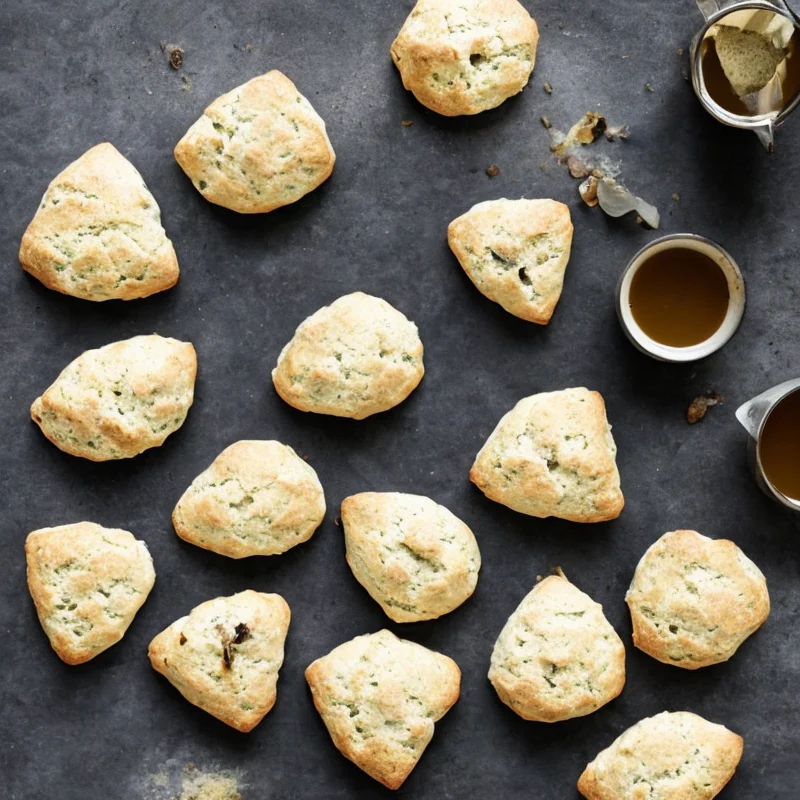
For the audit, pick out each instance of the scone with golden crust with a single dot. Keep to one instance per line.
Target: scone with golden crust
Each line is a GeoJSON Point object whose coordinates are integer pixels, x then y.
{"type": "Point", "coordinates": [465, 57]}
{"type": "Point", "coordinates": [553, 455]}
{"type": "Point", "coordinates": [557, 656]}
{"type": "Point", "coordinates": [671, 756]}
{"type": "Point", "coordinates": [224, 657]}
{"type": "Point", "coordinates": [97, 234]}
{"type": "Point", "coordinates": [379, 697]}
{"type": "Point", "coordinates": [354, 358]}
{"type": "Point", "coordinates": [258, 147]}
{"type": "Point", "coordinates": [416, 559]}
{"type": "Point", "coordinates": [87, 583]}
{"type": "Point", "coordinates": [694, 600]}
{"type": "Point", "coordinates": [119, 400]}
{"type": "Point", "coordinates": [516, 253]}
{"type": "Point", "coordinates": [258, 498]}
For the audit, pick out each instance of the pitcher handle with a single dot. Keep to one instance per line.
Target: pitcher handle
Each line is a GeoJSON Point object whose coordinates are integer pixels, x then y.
{"type": "Point", "coordinates": [751, 414]}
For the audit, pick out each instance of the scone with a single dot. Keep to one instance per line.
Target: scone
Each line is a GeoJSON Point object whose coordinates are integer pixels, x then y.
{"type": "Point", "coordinates": [119, 400]}
{"type": "Point", "coordinates": [414, 557]}
{"type": "Point", "coordinates": [516, 253]}
{"type": "Point", "coordinates": [87, 583]}
{"type": "Point", "coordinates": [694, 600]}
{"type": "Point", "coordinates": [258, 498]}
{"type": "Point", "coordinates": [466, 57]}
{"type": "Point", "coordinates": [557, 656]}
{"type": "Point", "coordinates": [379, 697]}
{"type": "Point", "coordinates": [224, 657]}
{"type": "Point", "coordinates": [97, 234]}
{"type": "Point", "coordinates": [553, 455]}
{"type": "Point", "coordinates": [671, 756]}
{"type": "Point", "coordinates": [354, 358]}
{"type": "Point", "coordinates": [258, 147]}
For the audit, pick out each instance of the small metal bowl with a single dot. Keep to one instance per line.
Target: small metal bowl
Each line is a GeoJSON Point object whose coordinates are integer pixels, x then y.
{"type": "Point", "coordinates": [729, 324]}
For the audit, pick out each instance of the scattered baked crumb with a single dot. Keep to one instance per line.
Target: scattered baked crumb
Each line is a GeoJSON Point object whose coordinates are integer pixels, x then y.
{"type": "Point", "coordinates": [676, 197]}
{"type": "Point", "coordinates": [542, 166]}
{"type": "Point", "coordinates": [700, 405]}
{"type": "Point", "coordinates": [336, 522]}
{"type": "Point", "coordinates": [175, 56]}
{"type": "Point", "coordinates": [648, 87]}
{"type": "Point", "coordinates": [679, 51]}
{"type": "Point", "coordinates": [186, 82]}
{"type": "Point", "coordinates": [618, 132]}
{"type": "Point", "coordinates": [407, 123]}
{"type": "Point", "coordinates": [546, 121]}
{"type": "Point", "coordinates": [493, 170]}
{"type": "Point", "coordinates": [588, 191]}
{"type": "Point", "coordinates": [249, 48]}
{"type": "Point", "coordinates": [576, 167]}
{"type": "Point", "coordinates": [547, 88]}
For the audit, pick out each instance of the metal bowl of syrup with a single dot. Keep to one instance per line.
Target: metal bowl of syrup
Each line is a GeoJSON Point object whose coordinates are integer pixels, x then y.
{"type": "Point", "coordinates": [680, 298]}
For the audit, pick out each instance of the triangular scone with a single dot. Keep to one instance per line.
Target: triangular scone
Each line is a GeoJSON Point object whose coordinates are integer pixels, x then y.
{"type": "Point", "coordinates": [516, 253]}
{"type": "Point", "coordinates": [97, 234]}
{"type": "Point", "coordinates": [119, 400]}
{"type": "Point", "coordinates": [87, 583]}
{"type": "Point", "coordinates": [674, 756]}
{"type": "Point", "coordinates": [557, 656]}
{"type": "Point", "coordinates": [258, 498]}
{"type": "Point", "coordinates": [258, 147]}
{"type": "Point", "coordinates": [379, 697]}
{"type": "Point", "coordinates": [553, 455]}
{"type": "Point", "coordinates": [224, 657]}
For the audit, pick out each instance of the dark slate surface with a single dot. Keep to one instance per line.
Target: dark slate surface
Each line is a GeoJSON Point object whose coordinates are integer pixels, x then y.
{"type": "Point", "coordinates": [76, 73]}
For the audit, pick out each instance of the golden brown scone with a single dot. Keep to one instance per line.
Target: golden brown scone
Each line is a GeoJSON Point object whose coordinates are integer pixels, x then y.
{"type": "Point", "coordinates": [694, 600]}
{"type": "Point", "coordinates": [557, 656]}
{"type": "Point", "coordinates": [553, 455]}
{"type": "Point", "coordinates": [224, 657]}
{"type": "Point", "coordinates": [671, 756]}
{"type": "Point", "coordinates": [465, 57]}
{"type": "Point", "coordinates": [379, 697]}
{"type": "Point", "coordinates": [354, 358]}
{"type": "Point", "coordinates": [258, 498]}
{"type": "Point", "coordinates": [97, 234]}
{"type": "Point", "coordinates": [414, 557]}
{"type": "Point", "coordinates": [87, 583]}
{"type": "Point", "coordinates": [119, 400]}
{"type": "Point", "coordinates": [516, 253]}
{"type": "Point", "coordinates": [258, 147]}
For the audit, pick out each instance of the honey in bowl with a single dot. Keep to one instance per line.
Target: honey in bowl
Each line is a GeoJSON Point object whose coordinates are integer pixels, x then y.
{"type": "Point", "coordinates": [779, 447]}
{"type": "Point", "coordinates": [679, 297]}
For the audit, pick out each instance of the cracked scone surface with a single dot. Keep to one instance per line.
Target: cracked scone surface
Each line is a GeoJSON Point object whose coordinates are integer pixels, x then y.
{"type": "Point", "coordinates": [379, 697]}
{"type": "Point", "coordinates": [87, 583]}
{"type": "Point", "coordinates": [671, 756]}
{"type": "Point", "coordinates": [354, 358]}
{"type": "Point", "coordinates": [119, 400]}
{"type": "Point", "coordinates": [694, 600]}
{"type": "Point", "coordinates": [224, 657]}
{"type": "Point", "coordinates": [553, 455]}
{"type": "Point", "coordinates": [414, 557]}
{"type": "Point", "coordinates": [466, 57]}
{"type": "Point", "coordinates": [258, 147]}
{"type": "Point", "coordinates": [97, 233]}
{"type": "Point", "coordinates": [557, 657]}
{"type": "Point", "coordinates": [256, 498]}
{"type": "Point", "coordinates": [516, 253]}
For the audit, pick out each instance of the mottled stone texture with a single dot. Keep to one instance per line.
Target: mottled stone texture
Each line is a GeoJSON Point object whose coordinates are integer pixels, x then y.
{"type": "Point", "coordinates": [77, 73]}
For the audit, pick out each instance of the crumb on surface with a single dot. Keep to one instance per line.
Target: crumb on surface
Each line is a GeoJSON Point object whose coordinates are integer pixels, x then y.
{"type": "Point", "coordinates": [676, 197]}
{"type": "Point", "coordinates": [648, 87]}
{"type": "Point", "coordinates": [407, 123]}
{"type": "Point", "coordinates": [700, 405]}
{"type": "Point", "coordinates": [547, 88]}
{"type": "Point", "coordinates": [493, 170]}
{"type": "Point", "coordinates": [546, 121]}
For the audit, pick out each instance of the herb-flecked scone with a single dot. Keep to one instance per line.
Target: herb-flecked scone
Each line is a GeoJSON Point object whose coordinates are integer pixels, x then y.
{"type": "Point", "coordinates": [553, 455]}
{"type": "Point", "coordinates": [557, 656]}
{"type": "Point", "coordinates": [97, 233]}
{"type": "Point", "coordinates": [258, 147]}
{"type": "Point", "coordinates": [87, 583]}
{"type": "Point", "coordinates": [465, 57]}
{"type": "Point", "coordinates": [354, 358]}
{"type": "Point", "coordinates": [516, 253]}
{"type": "Point", "coordinates": [119, 400]}
{"type": "Point", "coordinates": [258, 498]}
{"type": "Point", "coordinates": [224, 657]}
{"type": "Point", "coordinates": [671, 756]}
{"type": "Point", "coordinates": [414, 557]}
{"type": "Point", "coordinates": [694, 600]}
{"type": "Point", "coordinates": [379, 697]}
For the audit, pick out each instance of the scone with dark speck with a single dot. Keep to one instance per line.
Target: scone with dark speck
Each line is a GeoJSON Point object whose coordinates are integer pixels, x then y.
{"type": "Point", "coordinates": [354, 358]}
{"type": "Point", "coordinates": [258, 147]}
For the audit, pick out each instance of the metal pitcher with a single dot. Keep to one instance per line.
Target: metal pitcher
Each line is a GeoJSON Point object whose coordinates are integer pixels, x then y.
{"type": "Point", "coordinates": [769, 108]}
{"type": "Point", "coordinates": [753, 416]}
